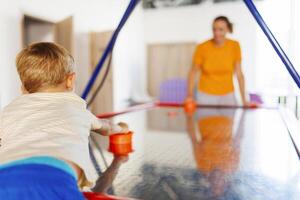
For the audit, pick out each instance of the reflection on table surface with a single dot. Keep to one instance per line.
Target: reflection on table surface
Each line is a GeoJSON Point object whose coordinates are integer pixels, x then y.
{"type": "Point", "coordinates": [215, 154]}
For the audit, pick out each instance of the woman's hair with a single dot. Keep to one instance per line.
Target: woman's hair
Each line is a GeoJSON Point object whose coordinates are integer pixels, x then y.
{"type": "Point", "coordinates": [227, 21]}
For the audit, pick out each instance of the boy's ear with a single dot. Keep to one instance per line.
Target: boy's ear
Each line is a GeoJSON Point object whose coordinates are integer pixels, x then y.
{"type": "Point", "coordinates": [23, 90]}
{"type": "Point", "coordinates": [70, 84]}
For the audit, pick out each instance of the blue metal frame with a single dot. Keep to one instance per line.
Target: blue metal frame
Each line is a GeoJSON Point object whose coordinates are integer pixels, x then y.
{"type": "Point", "coordinates": [107, 52]}
{"type": "Point", "coordinates": [109, 48]}
{"type": "Point", "coordinates": [284, 58]}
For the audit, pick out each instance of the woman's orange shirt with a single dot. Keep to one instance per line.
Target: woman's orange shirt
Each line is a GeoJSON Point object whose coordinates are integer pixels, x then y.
{"type": "Point", "coordinates": [217, 65]}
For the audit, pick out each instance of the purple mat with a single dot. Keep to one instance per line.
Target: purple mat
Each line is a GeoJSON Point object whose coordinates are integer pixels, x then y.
{"type": "Point", "coordinates": [173, 91]}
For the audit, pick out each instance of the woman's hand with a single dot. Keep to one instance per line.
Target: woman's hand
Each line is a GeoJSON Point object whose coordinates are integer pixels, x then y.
{"type": "Point", "coordinates": [250, 105]}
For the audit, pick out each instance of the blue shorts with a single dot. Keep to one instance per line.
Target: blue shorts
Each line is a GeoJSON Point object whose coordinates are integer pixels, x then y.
{"type": "Point", "coordinates": [37, 182]}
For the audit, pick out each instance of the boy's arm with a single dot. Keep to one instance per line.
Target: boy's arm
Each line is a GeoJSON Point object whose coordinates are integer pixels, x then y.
{"type": "Point", "coordinates": [106, 179]}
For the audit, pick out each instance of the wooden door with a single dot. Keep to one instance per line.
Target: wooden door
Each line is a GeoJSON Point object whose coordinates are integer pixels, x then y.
{"type": "Point", "coordinates": [104, 100]}
{"type": "Point", "coordinates": [168, 61]}
{"type": "Point", "coordinates": [64, 33]}
{"type": "Point", "coordinates": [35, 29]}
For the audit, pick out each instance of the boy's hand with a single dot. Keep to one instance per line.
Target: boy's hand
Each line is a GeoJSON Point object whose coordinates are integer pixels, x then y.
{"type": "Point", "coordinates": [121, 127]}
{"type": "Point", "coordinates": [109, 128]}
{"type": "Point", "coordinates": [124, 127]}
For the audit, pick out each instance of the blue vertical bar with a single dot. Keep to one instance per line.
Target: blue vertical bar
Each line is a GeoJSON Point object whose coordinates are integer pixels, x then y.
{"type": "Point", "coordinates": [109, 48]}
{"type": "Point", "coordinates": [284, 58]}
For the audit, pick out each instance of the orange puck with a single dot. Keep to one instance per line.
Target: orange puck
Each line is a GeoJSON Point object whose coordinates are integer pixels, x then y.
{"type": "Point", "coordinates": [190, 106]}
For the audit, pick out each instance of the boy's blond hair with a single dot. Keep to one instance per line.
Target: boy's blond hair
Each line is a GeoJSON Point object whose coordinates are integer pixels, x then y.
{"type": "Point", "coordinates": [42, 65]}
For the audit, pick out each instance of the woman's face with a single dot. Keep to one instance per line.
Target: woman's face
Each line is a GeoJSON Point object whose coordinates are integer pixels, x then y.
{"type": "Point", "coordinates": [220, 30]}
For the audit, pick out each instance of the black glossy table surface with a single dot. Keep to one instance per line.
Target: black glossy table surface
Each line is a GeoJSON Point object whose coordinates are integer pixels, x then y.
{"type": "Point", "coordinates": [213, 154]}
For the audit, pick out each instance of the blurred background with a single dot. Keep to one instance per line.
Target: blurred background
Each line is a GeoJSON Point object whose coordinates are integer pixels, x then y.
{"type": "Point", "coordinates": [155, 47]}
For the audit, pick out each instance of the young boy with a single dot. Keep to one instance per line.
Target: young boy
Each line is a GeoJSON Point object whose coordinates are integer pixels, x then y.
{"type": "Point", "coordinates": [44, 150]}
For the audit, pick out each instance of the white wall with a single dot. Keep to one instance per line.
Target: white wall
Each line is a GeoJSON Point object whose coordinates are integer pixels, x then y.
{"type": "Point", "coordinates": [272, 76]}
{"type": "Point", "coordinates": [295, 40]}
{"type": "Point", "coordinates": [10, 43]}
{"type": "Point", "coordinates": [131, 61]}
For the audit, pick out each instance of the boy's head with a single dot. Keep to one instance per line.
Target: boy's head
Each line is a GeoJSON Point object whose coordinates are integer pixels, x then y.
{"type": "Point", "coordinates": [45, 67]}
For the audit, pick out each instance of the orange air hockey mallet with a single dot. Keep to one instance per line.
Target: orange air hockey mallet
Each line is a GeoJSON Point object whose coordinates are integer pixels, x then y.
{"type": "Point", "coordinates": [190, 106]}
{"type": "Point", "coordinates": [121, 144]}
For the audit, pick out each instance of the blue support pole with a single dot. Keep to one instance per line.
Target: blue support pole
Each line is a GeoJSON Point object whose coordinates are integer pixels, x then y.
{"type": "Point", "coordinates": [109, 48]}
{"type": "Point", "coordinates": [100, 64]}
{"type": "Point", "coordinates": [280, 52]}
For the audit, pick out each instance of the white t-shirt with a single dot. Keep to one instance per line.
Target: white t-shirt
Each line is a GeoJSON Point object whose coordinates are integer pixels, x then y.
{"type": "Point", "coordinates": [48, 124]}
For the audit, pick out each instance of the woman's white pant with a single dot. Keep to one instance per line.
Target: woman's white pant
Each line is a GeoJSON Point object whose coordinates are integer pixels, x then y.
{"type": "Point", "coordinates": [208, 99]}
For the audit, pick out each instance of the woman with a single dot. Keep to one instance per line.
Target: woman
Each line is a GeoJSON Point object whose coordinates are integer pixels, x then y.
{"type": "Point", "coordinates": [218, 60]}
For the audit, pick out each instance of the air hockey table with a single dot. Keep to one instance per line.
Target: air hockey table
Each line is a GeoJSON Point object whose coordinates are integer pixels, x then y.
{"type": "Point", "coordinates": [214, 153]}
